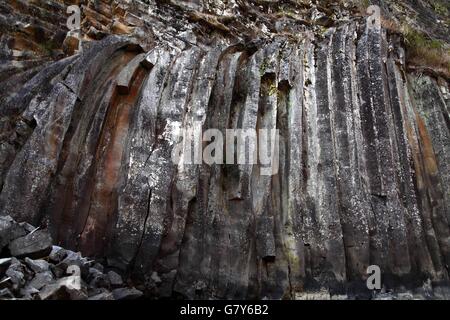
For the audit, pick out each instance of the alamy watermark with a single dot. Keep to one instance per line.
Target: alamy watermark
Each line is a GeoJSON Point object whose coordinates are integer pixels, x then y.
{"type": "Point", "coordinates": [374, 280]}
{"type": "Point", "coordinates": [74, 20]}
{"type": "Point", "coordinates": [374, 18]}
{"type": "Point", "coordinates": [73, 23]}
{"type": "Point", "coordinates": [234, 146]}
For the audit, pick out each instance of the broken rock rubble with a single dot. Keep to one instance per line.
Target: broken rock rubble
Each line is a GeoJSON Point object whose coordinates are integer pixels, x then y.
{"type": "Point", "coordinates": [31, 268]}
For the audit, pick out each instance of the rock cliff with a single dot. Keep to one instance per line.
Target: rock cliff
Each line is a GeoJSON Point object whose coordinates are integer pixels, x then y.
{"type": "Point", "coordinates": [89, 120]}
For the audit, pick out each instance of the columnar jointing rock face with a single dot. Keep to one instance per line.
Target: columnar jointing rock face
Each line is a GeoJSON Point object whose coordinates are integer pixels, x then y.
{"type": "Point", "coordinates": [87, 145]}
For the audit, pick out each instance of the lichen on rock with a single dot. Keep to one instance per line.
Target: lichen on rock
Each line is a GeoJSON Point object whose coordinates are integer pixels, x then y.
{"type": "Point", "coordinates": [87, 136]}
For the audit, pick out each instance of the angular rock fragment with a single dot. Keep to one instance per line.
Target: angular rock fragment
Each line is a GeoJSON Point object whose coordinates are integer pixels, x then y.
{"type": "Point", "coordinates": [27, 227]}
{"type": "Point", "coordinates": [37, 265]}
{"type": "Point", "coordinates": [120, 28]}
{"type": "Point", "coordinates": [71, 44]}
{"type": "Point", "coordinates": [98, 279]}
{"type": "Point", "coordinates": [6, 282]}
{"type": "Point", "coordinates": [16, 273]}
{"type": "Point", "coordinates": [155, 278]}
{"type": "Point", "coordinates": [126, 294]}
{"type": "Point", "coordinates": [4, 265]}
{"type": "Point", "coordinates": [68, 288]}
{"type": "Point", "coordinates": [6, 294]}
{"type": "Point", "coordinates": [75, 259]}
{"type": "Point", "coordinates": [98, 266]}
{"type": "Point", "coordinates": [57, 254]}
{"type": "Point", "coordinates": [41, 279]}
{"type": "Point", "coordinates": [125, 77]}
{"type": "Point", "coordinates": [104, 295]}
{"type": "Point", "coordinates": [25, 278]}
{"type": "Point", "coordinates": [87, 143]}
{"type": "Point", "coordinates": [149, 61]}
{"type": "Point", "coordinates": [35, 245]}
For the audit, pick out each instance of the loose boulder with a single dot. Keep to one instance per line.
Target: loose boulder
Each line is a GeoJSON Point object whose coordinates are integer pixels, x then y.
{"type": "Point", "coordinates": [38, 270]}
{"type": "Point", "coordinates": [34, 245]}
{"type": "Point", "coordinates": [127, 294]}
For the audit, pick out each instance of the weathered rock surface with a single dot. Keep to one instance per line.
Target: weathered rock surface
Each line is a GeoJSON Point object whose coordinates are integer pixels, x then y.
{"type": "Point", "coordinates": [35, 245]}
{"type": "Point", "coordinates": [87, 140]}
{"type": "Point", "coordinates": [9, 231]}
